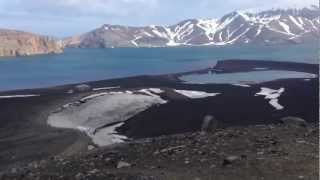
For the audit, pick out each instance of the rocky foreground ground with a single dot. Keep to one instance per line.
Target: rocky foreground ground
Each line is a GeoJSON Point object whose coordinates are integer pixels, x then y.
{"type": "Point", "coordinates": [284, 151]}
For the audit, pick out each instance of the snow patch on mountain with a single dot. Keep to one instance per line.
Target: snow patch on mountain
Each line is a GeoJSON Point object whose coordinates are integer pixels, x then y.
{"type": "Point", "coordinates": [296, 22]}
{"type": "Point", "coordinates": [285, 27]}
{"type": "Point", "coordinates": [239, 27]}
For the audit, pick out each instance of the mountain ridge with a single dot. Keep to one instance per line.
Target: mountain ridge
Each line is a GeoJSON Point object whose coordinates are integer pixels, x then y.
{"type": "Point", "coordinates": [239, 27]}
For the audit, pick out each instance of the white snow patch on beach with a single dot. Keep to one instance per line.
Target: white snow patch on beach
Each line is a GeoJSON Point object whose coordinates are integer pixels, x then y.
{"type": "Point", "coordinates": [260, 68]}
{"type": "Point", "coordinates": [272, 95]}
{"type": "Point", "coordinates": [156, 90]}
{"type": "Point", "coordinates": [109, 135]}
{"type": "Point", "coordinates": [153, 92]}
{"type": "Point", "coordinates": [275, 104]}
{"type": "Point", "coordinates": [94, 96]}
{"type": "Point", "coordinates": [105, 88]}
{"type": "Point", "coordinates": [101, 109]}
{"type": "Point", "coordinates": [242, 85]}
{"type": "Point", "coordinates": [195, 94]}
{"type": "Point", "coordinates": [67, 105]}
{"type": "Point", "coordinates": [19, 96]}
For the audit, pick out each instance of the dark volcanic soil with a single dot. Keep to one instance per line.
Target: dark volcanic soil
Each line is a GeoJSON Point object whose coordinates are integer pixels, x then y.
{"type": "Point", "coordinates": [285, 152]}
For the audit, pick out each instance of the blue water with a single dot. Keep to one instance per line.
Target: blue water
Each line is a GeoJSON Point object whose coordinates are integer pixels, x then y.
{"type": "Point", "coordinates": [79, 65]}
{"type": "Point", "coordinates": [243, 77]}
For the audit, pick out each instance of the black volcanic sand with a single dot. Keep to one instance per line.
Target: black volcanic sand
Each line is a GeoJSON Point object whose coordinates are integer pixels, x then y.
{"type": "Point", "coordinates": [236, 106]}
{"type": "Point", "coordinates": [25, 136]}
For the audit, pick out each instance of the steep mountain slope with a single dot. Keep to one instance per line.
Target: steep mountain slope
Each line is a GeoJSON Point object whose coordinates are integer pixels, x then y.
{"type": "Point", "coordinates": [240, 27]}
{"type": "Point", "coordinates": [18, 43]}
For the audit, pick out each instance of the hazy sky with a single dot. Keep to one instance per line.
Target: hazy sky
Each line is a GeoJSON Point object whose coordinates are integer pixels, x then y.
{"type": "Point", "coordinates": [68, 17]}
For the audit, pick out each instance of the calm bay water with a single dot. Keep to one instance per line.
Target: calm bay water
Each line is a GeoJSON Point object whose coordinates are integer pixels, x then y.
{"type": "Point", "coordinates": [79, 65]}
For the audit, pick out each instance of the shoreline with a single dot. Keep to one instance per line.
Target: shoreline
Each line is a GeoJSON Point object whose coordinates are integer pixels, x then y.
{"type": "Point", "coordinates": [222, 66]}
{"type": "Point", "coordinates": [27, 134]}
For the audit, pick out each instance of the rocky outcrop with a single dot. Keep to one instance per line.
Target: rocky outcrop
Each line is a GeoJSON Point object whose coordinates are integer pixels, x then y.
{"type": "Point", "coordinates": [18, 43]}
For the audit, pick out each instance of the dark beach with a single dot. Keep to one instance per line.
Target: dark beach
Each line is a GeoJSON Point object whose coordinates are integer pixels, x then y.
{"type": "Point", "coordinates": [25, 135]}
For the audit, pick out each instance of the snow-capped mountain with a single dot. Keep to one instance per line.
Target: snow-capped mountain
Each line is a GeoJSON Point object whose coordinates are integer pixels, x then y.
{"type": "Point", "coordinates": [239, 27]}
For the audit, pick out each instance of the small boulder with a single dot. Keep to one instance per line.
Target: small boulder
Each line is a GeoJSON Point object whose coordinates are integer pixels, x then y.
{"type": "Point", "coordinates": [14, 171]}
{"type": "Point", "coordinates": [209, 124]}
{"type": "Point", "coordinates": [123, 164]}
{"type": "Point", "coordinates": [294, 121]}
{"type": "Point", "coordinates": [90, 147]}
{"type": "Point", "coordinates": [82, 88]}
{"type": "Point", "coordinates": [229, 160]}
{"type": "Point", "coordinates": [94, 171]}
{"type": "Point", "coordinates": [79, 176]}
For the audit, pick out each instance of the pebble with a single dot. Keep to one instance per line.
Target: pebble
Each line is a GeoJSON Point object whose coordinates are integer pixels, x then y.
{"type": "Point", "coordinates": [79, 176]}
{"type": "Point", "coordinates": [123, 164]}
{"type": "Point", "coordinates": [209, 124]}
{"type": "Point", "coordinates": [229, 160]}
{"type": "Point", "coordinates": [94, 171]}
{"type": "Point", "coordinates": [213, 166]}
{"type": "Point", "coordinates": [14, 170]}
{"type": "Point", "coordinates": [260, 153]}
{"type": "Point", "coordinates": [294, 121]}
{"type": "Point", "coordinates": [90, 147]}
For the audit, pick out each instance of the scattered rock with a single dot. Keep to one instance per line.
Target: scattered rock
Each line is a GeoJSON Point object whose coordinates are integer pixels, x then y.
{"type": "Point", "coordinates": [293, 121]}
{"type": "Point", "coordinates": [301, 142]}
{"type": "Point", "coordinates": [156, 153]}
{"type": "Point", "coordinates": [213, 166]}
{"type": "Point", "coordinates": [312, 132]}
{"type": "Point", "coordinates": [123, 164]}
{"type": "Point", "coordinates": [209, 124]}
{"type": "Point", "coordinates": [79, 176]}
{"type": "Point", "coordinates": [92, 164]}
{"type": "Point", "coordinates": [186, 161]}
{"type": "Point", "coordinates": [107, 160]}
{"type": "Point", "coordinates": [82, 88]}
{"type": "Point", "coordinates": [90, 147]}
{"type": "Point", "coordinates": [172, 149]}
{"type": "Point", "coordinates": [14, 170]}
{"type": "Point", "coordinates": [227, 150]}
{"type": "Point", "coordinates": [94, 171]}
{"type": "Point", "coordinates": [33, 165]}
{"type": "Point", "coordinates": [230, 159]}
{"type": "Point", "coordinates": [260, 153]}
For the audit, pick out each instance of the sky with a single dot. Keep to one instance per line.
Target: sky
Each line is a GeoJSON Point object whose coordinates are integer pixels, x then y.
{"type": "Point", "coordinates": [63, 18]}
